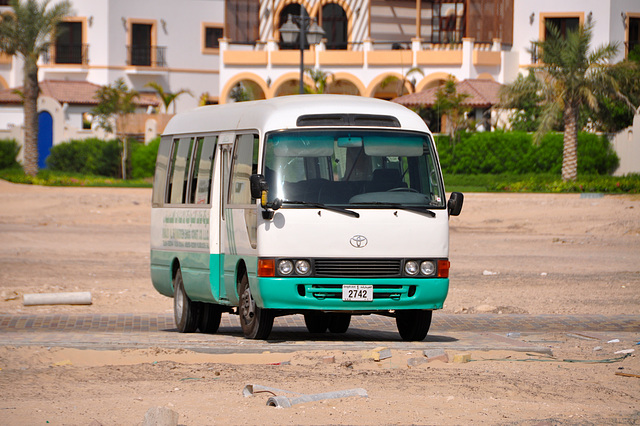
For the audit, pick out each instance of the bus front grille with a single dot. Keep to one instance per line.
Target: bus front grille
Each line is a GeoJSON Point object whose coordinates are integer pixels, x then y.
{"type": "Point", "coordinates": [358, 268]}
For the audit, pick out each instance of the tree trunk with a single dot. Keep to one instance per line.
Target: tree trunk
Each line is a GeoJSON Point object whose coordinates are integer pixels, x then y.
{"type": "Point", "coordinates": [570, 150]}
{"type": "Point", "coordinates": [30, 107]}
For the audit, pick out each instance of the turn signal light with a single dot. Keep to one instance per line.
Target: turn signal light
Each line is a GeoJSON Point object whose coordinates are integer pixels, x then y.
{"type": "Point", "coordinates": [443, 268]}
{"type": "Point", "coordinates": [266, 267]}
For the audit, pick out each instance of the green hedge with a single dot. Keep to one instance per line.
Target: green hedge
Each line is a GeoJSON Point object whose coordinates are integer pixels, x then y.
{"type": "Point", "coordinates": [103, 158]}
{"type": "Point", "coordinates": [143, 159]}
{"type": "Point", "coordinates": [9, 150]}
{"type": "Point", "coordinates": [514, 152]}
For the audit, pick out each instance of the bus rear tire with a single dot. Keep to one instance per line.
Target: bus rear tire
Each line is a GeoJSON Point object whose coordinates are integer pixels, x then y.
{"type": "Point", "coordinates": [256, 322]}
{"type": "Point", "coordinates": [316, 322]}
{"type": "Point", "coordinates": [339, 323]}
{"type": "Point", "coordinates": [185, 312]}
{"type": "Point", "coordinates": [413, 325]}
{"type": "Point", "coordinates": [210, 318]}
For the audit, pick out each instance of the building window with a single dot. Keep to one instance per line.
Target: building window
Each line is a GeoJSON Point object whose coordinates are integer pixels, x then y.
{"type": "Point", "coordinates": [69, 48]}
{"type": "Point", "coordinates": [563, 25]}
{"type": "Point", "coordinates": [243, 20]}
{"type": "Point", "coordinates": [141, 44]}
{"type": "Point", "coordinates": [335, 25]}
{"type": "Point", "coordinates": [211, 34]}
{"type": "Point", "coordinates": [292, 9]}
{"type": "Point", "coordinates": [142, 48]}
{"type": "Point", "coordinates": [633, 38]}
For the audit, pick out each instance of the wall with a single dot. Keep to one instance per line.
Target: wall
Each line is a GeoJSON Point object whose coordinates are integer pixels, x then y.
{"type": "Point", "coordinates": [627, 146]}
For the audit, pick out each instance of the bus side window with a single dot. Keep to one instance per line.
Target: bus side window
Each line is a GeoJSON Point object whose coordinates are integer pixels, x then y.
{"type": "Point", "coordinates": [244, 163]}
{"type": "Point", "coordinates": [179, 171]}
{"type": "Point", "coordinates": [160, 176]}
{"type": "Point", "coordinates": [203, 171]}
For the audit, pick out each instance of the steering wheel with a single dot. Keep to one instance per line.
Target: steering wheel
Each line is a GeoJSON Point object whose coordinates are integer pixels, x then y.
{"type": "Point", "coordinates": [403, 190]}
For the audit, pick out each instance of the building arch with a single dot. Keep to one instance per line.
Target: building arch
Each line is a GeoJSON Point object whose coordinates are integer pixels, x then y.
{"type": "Point", "coordinates": [3, 83]}
{"type": "Point", "coordinates": [288, 84]}
{"type": "Point", "coordinates": [317, 12]}
{"type": "Point", "coordinates": [257, 85]}
{"type": "Point", "coordinates": [278, 20]}
{"type": "Point", "coordinates": [391, 90]}
{"type": "Point", "coordinates": [432, 80]}
{"type": "Point", "coordinates": [342, 82]}
{"type": "Point", "coordinates": [485, 76]}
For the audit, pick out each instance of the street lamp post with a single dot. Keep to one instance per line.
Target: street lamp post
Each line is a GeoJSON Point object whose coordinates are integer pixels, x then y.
{"type": "Point", "coordinates": [308, 30]}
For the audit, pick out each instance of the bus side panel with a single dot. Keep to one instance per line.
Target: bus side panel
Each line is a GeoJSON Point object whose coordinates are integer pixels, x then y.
{"type": "Point", "coordinates": [161, 274]}
{"type": "Point", "coordinates": [181, 234]}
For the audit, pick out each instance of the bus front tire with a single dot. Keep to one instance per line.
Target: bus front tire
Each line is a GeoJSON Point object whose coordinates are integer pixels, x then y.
{"type": "Point", "coordinates": [339, 323]}
{"type": "Point", "coordinates": [185, 312]}
{"type": "Point", "coordinates": [210, 318]}
{"type": "Point", "coordinates": [413, 325]}
{"type": "Point", "coordinates": [316, 322]}
{"type": "Point", "coordinates": [256, 323]}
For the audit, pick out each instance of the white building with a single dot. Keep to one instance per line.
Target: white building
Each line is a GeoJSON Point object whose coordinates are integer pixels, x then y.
{"type": "Point", "coordinates": [211, 47]}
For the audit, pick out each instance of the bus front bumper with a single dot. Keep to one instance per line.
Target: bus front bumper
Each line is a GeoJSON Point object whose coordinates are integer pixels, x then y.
{"type": "Point", "coordinates": [325, 294]}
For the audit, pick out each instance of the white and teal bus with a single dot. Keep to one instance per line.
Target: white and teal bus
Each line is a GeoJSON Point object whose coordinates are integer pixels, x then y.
{"type": "Point", "coordinates": [323, 205]}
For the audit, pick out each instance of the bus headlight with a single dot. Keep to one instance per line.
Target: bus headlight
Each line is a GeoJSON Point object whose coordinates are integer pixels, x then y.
{"type": "Point", "coordinates": [411, 267]}
{"type": "Point", "coordinates": [285, 267]}
{"type": "Point", "coordinates": [302, 267]}
{"type": "Point", "coordinates": [427, 268]}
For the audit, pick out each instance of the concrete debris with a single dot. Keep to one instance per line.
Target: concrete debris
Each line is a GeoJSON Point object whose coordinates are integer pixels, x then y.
{"type": "Point", "coordinates": [160, 416]}
{"type": "Point", "coordinates": [461, 358]}
{"type": "Point", "coordinates": [378, 354]}
{"type": "Point", "coordinates": [74, 298]}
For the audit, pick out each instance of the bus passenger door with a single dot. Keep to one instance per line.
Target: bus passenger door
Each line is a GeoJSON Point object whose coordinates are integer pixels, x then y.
{"type": "Point", "coordinates": [238, 218]}
{"type": "Point", "coordinates": [225, 145]}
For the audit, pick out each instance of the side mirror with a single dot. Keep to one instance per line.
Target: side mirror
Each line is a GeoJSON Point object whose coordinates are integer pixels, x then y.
{"type": "Point", "coordinates": [258, 184]}
{"type": "Point", "coordinates": [455, 203]}
{"type": "Point", "coordinates": [259, 190]}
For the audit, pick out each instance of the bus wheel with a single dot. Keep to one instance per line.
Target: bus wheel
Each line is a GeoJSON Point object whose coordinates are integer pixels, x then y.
{"type": "Point", "coordinates": [210, 318]}
{"type": "Point", "coordinates": [339, 323]}
{"type": "Point", "coordinates": [185, 312]}
{"type": "Point", "coordinates": [256, 322]}
{"type": "Point", "coordinates": [413, 325]}
{"type": "Point", "coordinates": [316, 322]}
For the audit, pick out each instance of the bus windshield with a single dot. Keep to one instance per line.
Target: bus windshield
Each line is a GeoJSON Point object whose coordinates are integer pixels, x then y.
{"type": "Point", "coordinates": [353, 167]}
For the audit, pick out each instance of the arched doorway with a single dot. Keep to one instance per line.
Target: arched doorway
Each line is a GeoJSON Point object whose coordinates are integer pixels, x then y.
{"type": "Point", "coordinates": [45, 138]}
{"type": "Point", "coordinates": [335, 25]}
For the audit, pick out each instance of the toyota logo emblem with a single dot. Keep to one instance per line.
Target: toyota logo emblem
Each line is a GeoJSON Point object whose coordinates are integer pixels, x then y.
{"type": "Point", "coordinates": [358, 241]}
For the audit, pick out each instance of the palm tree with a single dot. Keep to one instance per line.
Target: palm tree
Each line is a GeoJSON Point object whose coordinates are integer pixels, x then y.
{"type": "Point", "coordinates": [28, 30]}
{"type": "Point", "coordinates": [570, 76]}
{"type": "Point", "coordinates": [167, 97]}
{"type": "Point", "coordinates": [390, 79]}
{"type": "Point", "coordinates": [320, 81]}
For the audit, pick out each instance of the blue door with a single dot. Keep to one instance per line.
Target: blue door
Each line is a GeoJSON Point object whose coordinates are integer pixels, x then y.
{"type": "Point", "coordinates": [45, 138]}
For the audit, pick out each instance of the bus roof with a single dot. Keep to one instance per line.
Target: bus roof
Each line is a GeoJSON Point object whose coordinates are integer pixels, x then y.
{"type": "Point", "coordinates": [283, 113]}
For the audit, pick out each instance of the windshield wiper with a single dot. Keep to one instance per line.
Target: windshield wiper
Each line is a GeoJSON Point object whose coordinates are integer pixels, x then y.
{"type": "Point", "coordinates": [422, 210]}
{"type": "Point", "coordinates": [324, 206]}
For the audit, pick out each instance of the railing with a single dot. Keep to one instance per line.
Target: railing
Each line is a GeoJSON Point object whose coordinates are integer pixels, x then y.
{"type": "Point", "coordinates": [72, 54]}
{"type": "Point", "coordinates": [147, 56]}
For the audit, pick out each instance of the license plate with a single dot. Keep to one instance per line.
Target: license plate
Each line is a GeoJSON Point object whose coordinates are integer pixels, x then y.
{"type": "Point", "coordinates": [357, 293]}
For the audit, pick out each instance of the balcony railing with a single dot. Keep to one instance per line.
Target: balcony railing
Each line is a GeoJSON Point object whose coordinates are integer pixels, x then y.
{"type": "Point", "coordinates": [147, 56]}
{"type": "Point", "coordinates": [67, 54]}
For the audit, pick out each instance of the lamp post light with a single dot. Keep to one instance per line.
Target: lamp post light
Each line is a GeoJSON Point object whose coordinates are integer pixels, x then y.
{"type": "Point", "coordinates": [306, 30]}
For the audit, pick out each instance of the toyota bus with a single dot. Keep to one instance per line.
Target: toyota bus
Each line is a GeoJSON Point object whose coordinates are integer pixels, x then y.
{"type": "Point", "coordinates": [327, 206]}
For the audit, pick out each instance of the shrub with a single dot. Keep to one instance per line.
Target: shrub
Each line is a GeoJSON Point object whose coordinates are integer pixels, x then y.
{"type": "Point", "coordinates": [9, 150]}
{"type": "Point", "coordinates": [514, 152]}
{"type": "Point", "coordinates": [143, 159]}
{"type": "Point", "coordinates": [90, 156]}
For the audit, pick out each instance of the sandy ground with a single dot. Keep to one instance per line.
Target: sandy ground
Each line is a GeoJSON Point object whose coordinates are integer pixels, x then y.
{"type": "Point", "coordinates": [510, 253]}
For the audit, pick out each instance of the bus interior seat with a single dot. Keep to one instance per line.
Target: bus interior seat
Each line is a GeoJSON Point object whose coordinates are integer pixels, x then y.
{"type": "Point", "coordinates": [385, 179]}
